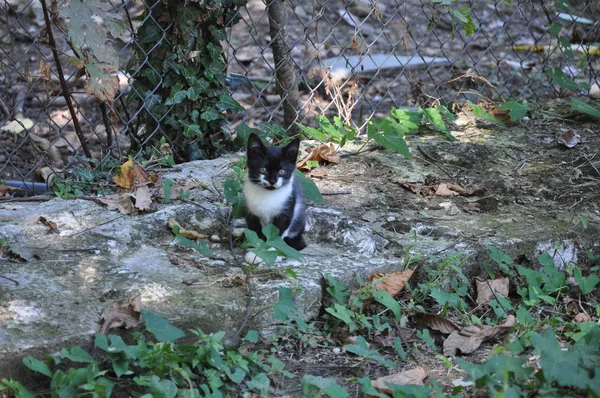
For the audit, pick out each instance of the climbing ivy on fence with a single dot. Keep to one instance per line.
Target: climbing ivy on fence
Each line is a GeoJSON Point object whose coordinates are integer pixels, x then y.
{"type": "Point", "coordinates": [179, 75]}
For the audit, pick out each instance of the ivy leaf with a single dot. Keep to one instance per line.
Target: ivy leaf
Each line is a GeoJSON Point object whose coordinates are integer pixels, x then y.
{"type": "Point", "coordinates": [177, 95]}
{"type": "Point", "coordinates": [362, 350]}
{"type": "Point", "coordinates": [210, 114]}
{"type": "Point", "coordinates": [161, 328]}
{"type": "Point", "coordinates": [261, 383]}
{"type": "Point", "coordinates": [77, 354]}
{"type": "Point", "coordinates": [409, 120]}
{"type": "Point", "coordinates": [582, 107]}
{"type": "Point", "coordinates": [342, 313]}
{"type": "Point", "coordinates": [227, 104]}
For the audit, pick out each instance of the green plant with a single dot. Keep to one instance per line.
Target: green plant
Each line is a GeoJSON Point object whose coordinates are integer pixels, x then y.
{"type": "Point", "coordinates": [86, 180]}
{"type": "Point", "coordinates": [160, 367]}
{"type": "Point", "coordinates": [562, 369]}
{"type": "Point", "coordinates": [179, 75]}
{"type": "Point", "coordinates": [269, 248]}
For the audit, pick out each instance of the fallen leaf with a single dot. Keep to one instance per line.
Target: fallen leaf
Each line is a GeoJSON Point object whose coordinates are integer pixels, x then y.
{"type": "Point", "coordinates": [486, 289]}
{"type": "Point", "coordinates": [319, 173]}
{"type": "Point", "coordinates": [583, 317]}
{"type": "Point", "coordinates": [119, 201]}
{"type": "Point", "coordinates": [321, 153]}
{"type": "Point", "coordinates": [4, 189]}
{"type": "Point", "coordinates": [443, 190]}
{"type": "Point", "coordinates": [186, 233]}
{"type": "Point", "coordinates": [18, 125]}
{"type": "Point", "coordinates": [470, 338]}
{"type": "Point", "coordinates": [392, 283]}
{"type": "Point", "coordinates": [425, 190]}
{"type": "Point", "coordinates": [124, 313]}
{"type": "Point", "coordinates": [436, 322]}
{"type": "Point", "coordinates": [503, 116]}
{"type": "Point", "coordinates": [124, 179]}
{"type": "Point", "coordinates": [569, 138]}
{"type": "Point", "coordinates": [191, 281]}
{"type": "Point", "coordinates": [471, 207]}
{"type": "Point", "coordinates": [412, 376]}
{"type": "Point", "coordinates": [48, 223]}
{"type": "Point", "coordinates": [143, 197]}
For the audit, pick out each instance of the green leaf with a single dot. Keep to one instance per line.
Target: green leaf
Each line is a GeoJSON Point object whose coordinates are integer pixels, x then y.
{"type": "Point", "coordinates": [160, 328]}
{"type": "Point", "coordinates": [77, 354]}
{"type": "Point", "coordinates": [587, 285]}
{"type": "Point", "coordinates": [426, 337]}
{"type": "Point", "coordinates": [227, 104]}
{"type": "Point", "coordinates": [185, 242]}
{"type": "Point", "coordinates": [463, 14]}
{"type": "Point", "coordinates": [37, 366]}
{"type": "Point", "coordinates": [384, 297]}
{"type": "Point", "coordinates": [310, 189]}
{"type": "Point", "coordinates": [399, 349]}
{"type": "Point", "coordinates": [482, 114]}
{"type": "Point", "coordinates": [434, 117]}
{"type": "Point", "coordinates": [17, 388]}
{"type": "Point", "coordinates": [260, 382]}
{"type": "Point", "coordinates": [562, 79]}
{"type": "Point", "coordinates": [251, 336]}
{"type": "Point", "coordinates": [524, 317]}
{"type": "Point", "coordinates": [362, 350]}
{"type": "Point", "coordinates": [290, 273]}
{"type": "Point", "coordinates": [210, 115]}
{"type": "Point", "coordinates": [582, 107]}
{"type": "Point", "coordinates": [177, 95]}
{"type": "Point", "coordinates": [313, 133]}
{"type": "Point", "coordinates": [409, 120]}
{"type": "Point", "coordinates": [515, 110]}
{"type": "Point", "coordinates": [388, 140]}
{"type": "Point", "coordinates": [337, 290]}
{"type": "Point", "coordinates": [252, 238]}
{"type": "Point", "coordinates": [285, 305]}
{"type": "Point", "coordinates": [312, 386]}
{"type": "Point", "coordinates": [167, 190]}
{"type": "Point", "coordinates": [342, 313]}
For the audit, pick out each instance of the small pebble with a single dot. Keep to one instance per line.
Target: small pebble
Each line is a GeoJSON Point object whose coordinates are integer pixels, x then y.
{"type": "Point", "coordinates": [215, 238]}
{"type": "Point", "coordinates": [237, 232]}
{"type": "Point", "coordinates": [337, 350]}
{"type": "Point", "coordinates": [391, 218]}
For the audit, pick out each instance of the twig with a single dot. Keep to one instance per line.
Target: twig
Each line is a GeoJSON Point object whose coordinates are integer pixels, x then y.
{"type": "Point", "coordinates": [106, 126]}
{"type": "Point", "coordinates": [10, 279]}
{"type": "Point", "coordinates": [63, 84]}
{"type": "Point", "coordinates": [336, 193]}
{"type": "Point", "coordinates": [96, 226]}
{"type": "Point", "coordinates": [40, 198]}
{"type": "Point", "coordinates": [434, 162]}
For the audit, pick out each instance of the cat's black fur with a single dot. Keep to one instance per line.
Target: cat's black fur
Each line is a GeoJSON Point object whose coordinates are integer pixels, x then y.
{"type": "Point", "coordinates": [273, 195]}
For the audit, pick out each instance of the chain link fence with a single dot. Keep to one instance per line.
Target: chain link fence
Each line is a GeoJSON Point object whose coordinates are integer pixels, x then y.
{"type": "Point", "coordinates": [353, 59]}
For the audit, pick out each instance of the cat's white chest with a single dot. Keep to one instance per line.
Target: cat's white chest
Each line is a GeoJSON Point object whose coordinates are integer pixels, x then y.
{"type": "Point", "coordinates": [265, 204]}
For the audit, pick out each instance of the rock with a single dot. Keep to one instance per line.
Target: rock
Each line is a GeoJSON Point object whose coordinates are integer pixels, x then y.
{"type": "Point", "coordinates": [369, 216]}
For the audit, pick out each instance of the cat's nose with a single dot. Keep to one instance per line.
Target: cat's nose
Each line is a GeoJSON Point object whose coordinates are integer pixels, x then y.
{"type": "Point", "coordinates": [272, 180]}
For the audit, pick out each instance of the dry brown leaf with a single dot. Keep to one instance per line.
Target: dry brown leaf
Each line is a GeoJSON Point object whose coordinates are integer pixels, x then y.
{"type": "Point", "coordinates": [444, 190]}
{"type": "Point", "coordinates": [191, 281]}
{"type": "Point", "coordinates": [321, 153]}
{"type": "Point", "coordinates": [186, 233]}
{"type": "Point", "coordinates": [486, 289]}
{"type": "Point", "coordinates": [48, 223]}
{"type": "Point", "coordinates": [392, 283]}
{"type": "Point", "coordinates": [569, 138]}
{"type": "Point", "coordinates": [436, 322]}
{"type": "Point", "coordinates": [124, 313]}
{"type": "Point", "coordinates": [425, 190]}
{"type": "Point", "coordinates": [119, 201]}
{"type": "Point", "coordinates": [319, 172]}
{"type": "Point", "coordinates": [470, 338]}
{"type": "Point", "coordinates": [583, 317]}
{"type": "Point", "coordinates": [503, 116]}
{"type": "Point", "coordinates": [143, 197]}
{"type": "Point", "coordinates": [471, 207]}
{"type": "Point", "coordinates": [133, 175]}
{"type": "Point", "coordinates": [4, 189]}
{"type": "Point", "coordinates": [412, 376]}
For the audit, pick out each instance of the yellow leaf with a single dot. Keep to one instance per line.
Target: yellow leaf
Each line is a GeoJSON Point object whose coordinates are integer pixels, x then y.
{"type": "Point", "coordinates": [124, 179]}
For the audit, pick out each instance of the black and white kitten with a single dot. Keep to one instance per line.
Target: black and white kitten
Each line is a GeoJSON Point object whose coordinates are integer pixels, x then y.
{"type": "Point", "coordinates": [273, 195]}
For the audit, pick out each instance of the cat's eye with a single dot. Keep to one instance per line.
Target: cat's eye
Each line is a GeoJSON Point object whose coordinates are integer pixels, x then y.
{"type": "Point", "coordinates": [281, 172]}
{"type": "Point", "coordinates": [263, 170]}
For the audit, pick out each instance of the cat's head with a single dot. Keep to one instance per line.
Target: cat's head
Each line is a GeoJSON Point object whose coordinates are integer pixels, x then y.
{"type": "Point", "coordinates": [268, 166]}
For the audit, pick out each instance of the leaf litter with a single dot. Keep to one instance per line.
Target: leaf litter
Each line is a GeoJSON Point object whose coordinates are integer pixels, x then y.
{"type": "Point", "coordinates": [124, 313]}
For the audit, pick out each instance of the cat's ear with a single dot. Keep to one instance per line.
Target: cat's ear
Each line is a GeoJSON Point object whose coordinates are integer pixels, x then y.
{"type": "Point", "coordinates": [291, 150]}
{"type": "Point", "coordinates": [254, 143]}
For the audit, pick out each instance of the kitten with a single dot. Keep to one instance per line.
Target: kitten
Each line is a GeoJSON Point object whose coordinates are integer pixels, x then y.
{"type": "Point", "coordinates": [273, 195]}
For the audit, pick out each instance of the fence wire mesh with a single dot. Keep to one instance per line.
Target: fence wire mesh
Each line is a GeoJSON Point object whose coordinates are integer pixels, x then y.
{"type": "Point", "coordinates": [353, 59]}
